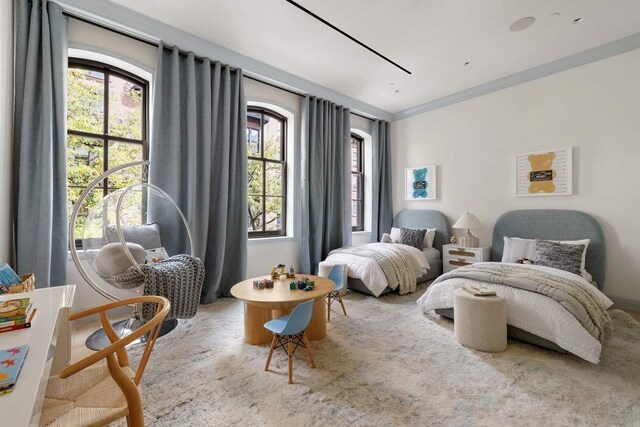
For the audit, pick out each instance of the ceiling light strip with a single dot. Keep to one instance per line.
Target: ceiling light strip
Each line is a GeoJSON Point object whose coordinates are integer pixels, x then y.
{"type": "Point", "coordinates": [350, 37]}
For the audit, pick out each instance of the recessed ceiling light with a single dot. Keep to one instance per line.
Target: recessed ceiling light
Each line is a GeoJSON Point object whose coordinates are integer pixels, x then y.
{"type": "Point", "coordinates": [522, 24]}
{"type": "Point", "coordinates": [577, 20]}
{"type": "Point", "coordinates": [554, 15]}
{"type": "Point", "coordinates": [467, 63]}
{"type": "Point", "coordinates": [397, 91]}
{"type": "Point", "coordinates": [392, 84]}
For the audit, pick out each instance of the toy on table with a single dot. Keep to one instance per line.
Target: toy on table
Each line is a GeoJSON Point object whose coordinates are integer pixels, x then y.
{"type": "Point", "coordinates": [263, 284]}
{"type": "Point", "coordinates": [303, 284]}
{"type": "Point", "coordinates": [278, 271]}
{"type": "Point", "coordinates": [291, 274]}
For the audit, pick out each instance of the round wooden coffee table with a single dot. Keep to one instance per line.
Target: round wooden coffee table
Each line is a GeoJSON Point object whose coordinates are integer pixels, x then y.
{"type": "Point", "coordinates": [262, 305]}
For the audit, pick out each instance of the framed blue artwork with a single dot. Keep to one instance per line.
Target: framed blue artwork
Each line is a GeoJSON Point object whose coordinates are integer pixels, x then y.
{"type": "Point", "coordinates": [420, 183]}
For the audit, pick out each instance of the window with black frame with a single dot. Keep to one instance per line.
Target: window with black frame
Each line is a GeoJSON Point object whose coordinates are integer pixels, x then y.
{"type": "Point", "coordinates": [106, 127]}
{"type": "Point", "coordinates": [357, 182]}
{"type": "Point", "coordinates": [267, 168]}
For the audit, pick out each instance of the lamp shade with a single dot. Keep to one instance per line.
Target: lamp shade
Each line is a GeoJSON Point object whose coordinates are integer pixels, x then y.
{"type": "Point", "coordinates": [468, 221]}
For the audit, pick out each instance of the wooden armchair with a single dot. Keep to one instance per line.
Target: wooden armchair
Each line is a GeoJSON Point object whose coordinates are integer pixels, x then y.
{"type": "Point", "coordinates": [96, 394]}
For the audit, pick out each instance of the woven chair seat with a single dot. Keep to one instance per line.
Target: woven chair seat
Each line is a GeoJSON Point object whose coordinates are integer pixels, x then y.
{"type": "Point", "coordinates": [88, 398]}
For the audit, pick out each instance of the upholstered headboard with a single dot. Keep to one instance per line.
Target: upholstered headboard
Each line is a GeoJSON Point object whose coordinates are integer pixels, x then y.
{"type": "Point", "coordinates": [553, 224]}
{"type": "Point", "coordinates": [424, 218]}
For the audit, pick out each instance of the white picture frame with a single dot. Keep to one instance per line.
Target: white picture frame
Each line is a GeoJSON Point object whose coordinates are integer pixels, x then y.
{"type": "Point", "coordinates": [545, 173]}
{"type": "Point", "coordinates": [420, 183]}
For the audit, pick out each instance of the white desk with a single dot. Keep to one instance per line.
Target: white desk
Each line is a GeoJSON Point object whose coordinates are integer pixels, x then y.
{"type": "Point", "coordinates": [49, 334]}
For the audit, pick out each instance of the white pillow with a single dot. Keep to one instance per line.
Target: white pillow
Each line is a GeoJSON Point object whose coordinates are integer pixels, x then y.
{"type": "Point", "coordinates": [429, 236]}
{"type": "Point", "coordinates": [112, 259]}
{"type": "Point", "coordinates": [515, 247]}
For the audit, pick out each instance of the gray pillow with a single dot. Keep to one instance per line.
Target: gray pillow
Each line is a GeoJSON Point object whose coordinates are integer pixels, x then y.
{"type": "Point", "coordinates": [147, 236]}
{"type": "Point", "coordinates": [112, 259]}
{"type": "Point", "coordinates": [559, 255]}
{"type": "Point", "coordinates": [412, 237]}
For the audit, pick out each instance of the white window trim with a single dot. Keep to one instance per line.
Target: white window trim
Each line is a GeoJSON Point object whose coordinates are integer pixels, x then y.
{"type": "Point", "coordinates": [368, 183]}
{"type": "Point", "coordinates": [290, 161]}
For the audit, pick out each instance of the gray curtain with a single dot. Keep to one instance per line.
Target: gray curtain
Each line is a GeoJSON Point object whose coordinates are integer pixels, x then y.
{"type": "Point", "coordinates": [198, 156]}
{"type": "Point", "coordinates": [39, 146]}
{"type": "Point", "coordinates": [382, 201]}
{"type": "Point", "coordinates": [326, 179]}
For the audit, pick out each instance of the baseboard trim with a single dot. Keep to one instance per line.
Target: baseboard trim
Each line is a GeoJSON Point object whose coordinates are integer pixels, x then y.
{"type": "Point", "coordinates": [626, 304]}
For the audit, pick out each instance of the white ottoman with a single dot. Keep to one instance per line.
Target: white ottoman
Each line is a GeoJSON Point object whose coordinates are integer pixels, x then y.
{"type": "Point", "coordinates": [325, 267]}
{"type": "Point", "coordinates": [480, 322]}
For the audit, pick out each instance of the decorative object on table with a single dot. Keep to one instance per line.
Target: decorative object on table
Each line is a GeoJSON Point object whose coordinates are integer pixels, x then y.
{"type": "Point", "coordinates": [11, 362]}
{"type": "Point", "coordinates": [263, 284]}
{"type": "Point", "coordinates": [420, 183]}
{"type": "Point", "coordinates": [278, 271]}
{"type": "Point", "coordinates": [479, 291]}
{"type": "Point", "coordinates": [453, 240]}
{"type": "Point", "coordinates": [468, 221]}
{"type": "Point", "coordinates": [122, 216]}
{"type": "Point", "coordinates": [289, 333]}
{"type": "Point", "coordinates": [292, 273]}
{"type": "Point", "coordinates": [545, 173]}
{"type": "Point", "coordinates": [524, 261]}
{"type": "Point", "coordinates": [293, 285]}
{"type": "Point", "coordinates": [27, 283]}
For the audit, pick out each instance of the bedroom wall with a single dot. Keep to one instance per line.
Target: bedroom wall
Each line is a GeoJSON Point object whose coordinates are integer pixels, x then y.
{"type": "Point", "coordinates": [6, 126]}
{"type": "Point", "coordinates": [594, 108]}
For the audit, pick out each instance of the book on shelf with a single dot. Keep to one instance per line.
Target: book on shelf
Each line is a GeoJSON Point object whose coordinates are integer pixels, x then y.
{"type": "Point", "coordinates": [479, 291]}
{"type": "Point", "coordinates": [11, 362]}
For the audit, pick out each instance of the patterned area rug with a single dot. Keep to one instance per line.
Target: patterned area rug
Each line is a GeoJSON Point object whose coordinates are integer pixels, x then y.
{"type": "Point", "coordinates": [385, 364]}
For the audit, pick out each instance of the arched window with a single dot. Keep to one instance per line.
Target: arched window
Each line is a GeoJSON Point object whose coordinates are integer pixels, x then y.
{"type": "Point", "coordinates": [107, 125]}
{"type": "Point", "coordinates": [357, 182]}
{"type": "Point", "coordinates": [267, 169]}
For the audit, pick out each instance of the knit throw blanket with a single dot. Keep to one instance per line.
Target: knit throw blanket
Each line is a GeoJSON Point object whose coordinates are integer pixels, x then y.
{"type": "Point", "coordinates": [178, 278]}
{"type": "Point", "coordinates": [397, 264]}
{"type": "Point", "coordinates": [580, 303]}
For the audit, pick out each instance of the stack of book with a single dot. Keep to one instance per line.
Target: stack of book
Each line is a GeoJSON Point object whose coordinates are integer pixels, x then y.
{"type": "Point", "coordinates": [16, 314]}
{"type": "Point", "coordinates": [11, 361]}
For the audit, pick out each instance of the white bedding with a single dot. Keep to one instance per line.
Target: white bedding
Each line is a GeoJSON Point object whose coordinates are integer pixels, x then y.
{"type": "Point", "coordinates": [368, 270]}
{"type": "Point", "coordinates": [531, 312]}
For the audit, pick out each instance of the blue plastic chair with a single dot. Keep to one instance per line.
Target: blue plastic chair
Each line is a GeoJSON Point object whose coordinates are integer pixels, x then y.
{"type": "Point", "coordinates": [336, 275]}
{"type": "Point", "coordinates": [289, 330]}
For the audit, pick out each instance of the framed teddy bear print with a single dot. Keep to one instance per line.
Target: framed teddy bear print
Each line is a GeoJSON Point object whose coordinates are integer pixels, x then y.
{"type": "Point", "coordinates": [420, 183]}
{"type": "Point", "coordinates": [545, 173]}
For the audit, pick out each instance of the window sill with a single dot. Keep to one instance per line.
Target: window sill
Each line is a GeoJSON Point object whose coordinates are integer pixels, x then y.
{"type": "Point", "coordinates": [260, 240]}
{"type": "Point", "coordinates": [361, 233]}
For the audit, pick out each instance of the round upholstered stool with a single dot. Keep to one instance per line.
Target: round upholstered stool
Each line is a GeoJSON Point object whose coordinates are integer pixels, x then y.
{"type": "Point", "coordinates": [480, 322]}
{"type": "Point", "coordinates": [325, 267]}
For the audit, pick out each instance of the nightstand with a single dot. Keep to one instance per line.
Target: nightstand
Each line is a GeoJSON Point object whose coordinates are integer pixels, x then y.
{"type": "Point", "coordinates": [454, 256]}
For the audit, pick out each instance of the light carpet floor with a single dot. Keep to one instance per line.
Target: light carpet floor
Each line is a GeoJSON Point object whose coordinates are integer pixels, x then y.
{"type": "Point", "coordinates": [385, 364]}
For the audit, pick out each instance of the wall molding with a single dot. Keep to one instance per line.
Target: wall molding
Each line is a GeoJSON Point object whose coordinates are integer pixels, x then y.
{"type": "Point", "coordinates": [588, 56]}
{"type": "Point", "coordinates": [129, 21]}
{"type": "Point", "coordinates": [625, 304]}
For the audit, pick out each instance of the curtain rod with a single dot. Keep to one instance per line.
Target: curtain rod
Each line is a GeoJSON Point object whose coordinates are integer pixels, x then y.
{"type": "Point", "coordinates": [157, 44]}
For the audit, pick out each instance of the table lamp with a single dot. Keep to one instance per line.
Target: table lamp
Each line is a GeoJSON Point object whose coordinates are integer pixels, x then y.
{"type": "Point", "coordinates": [468, 221]}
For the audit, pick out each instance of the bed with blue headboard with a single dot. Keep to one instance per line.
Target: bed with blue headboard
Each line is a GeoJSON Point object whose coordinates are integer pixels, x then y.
{"type": "Point", "coordinates": [417, 218]}
{"type": "Point", "coordinates": [548, 224]}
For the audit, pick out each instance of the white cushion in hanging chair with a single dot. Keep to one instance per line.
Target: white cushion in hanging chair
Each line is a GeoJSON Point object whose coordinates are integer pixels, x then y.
{"type": "Point", "coordinates": [112, 259]}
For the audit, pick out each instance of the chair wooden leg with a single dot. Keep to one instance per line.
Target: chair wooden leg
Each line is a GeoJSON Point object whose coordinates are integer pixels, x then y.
{"type": "Point", "coordinates": [290, 352]}
{"type": "Point", "coordinates": [329, 301]}
{"type": "Point", "coordinates": [342, 304]}
{"type": "Point", "coordinates": [273, 344]}
{"type": "Point", "coordinates": [308, 346]}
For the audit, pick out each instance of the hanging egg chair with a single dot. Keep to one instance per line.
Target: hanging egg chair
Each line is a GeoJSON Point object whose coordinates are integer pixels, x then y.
{"type": "Point", "coordinates": [125, 231]}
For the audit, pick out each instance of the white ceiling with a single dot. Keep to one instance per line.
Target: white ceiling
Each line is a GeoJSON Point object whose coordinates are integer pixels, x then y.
{"type": "Point", "coordinates": [432, 38]}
